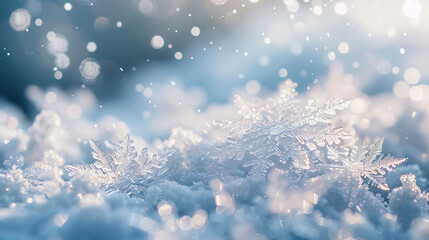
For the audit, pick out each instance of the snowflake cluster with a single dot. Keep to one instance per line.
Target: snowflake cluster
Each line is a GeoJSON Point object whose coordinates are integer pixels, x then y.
{"type": "Point", "coordinates": [124, 169]}
{"type": "Point", "coordinates": [273, 130]}
{"type": "Point", "coordinates": [285, 159]}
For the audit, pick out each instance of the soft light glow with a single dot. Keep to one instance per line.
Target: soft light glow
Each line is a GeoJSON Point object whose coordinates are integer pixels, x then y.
{"type": "Point", "coordinates": [50, 97]}
{"type": "Point", "coordinates": [58, 75]}
{"type": "Point", "coordinates": [391, 32]}
{"type": "Point", "coordinates": [68, 6]}
{"type": "Point", "coordinates": [89, 69]}
{"type": "Point", "coordinates": [291, 5]}
{"type": "Point", "coordinates": [195, 31]}
{"type": "Point", "coordinates": [148, 92]}
{"type": "Point", "coordinates": [411, 8]}
{"type": "Point", "coordinates": [38, 22]}
{"type": "Point", "coordinates": [199, 219]}
{"type": "Point", "coordinates": [139, 87]}
{"type": "Point", "coordinates": [165, 209]}
{"type": "Point", "coordinates": [101, 24]}
{"type": "Point", "coordinates": [157, 42]}
{"type": "Point", "coordinates": [57, 43]}
{"type": "Point", "coordinates": [178, 55]}
{"type": "Point", "coordinates": [267, 40]}
{"type": "Point", "coordinates": [384, 67]}
{"type": "Point", "coordinates": [219, 2]}
{"type": "Point", "coordinates": [91, 47]}
{"type": "Point", "coordinates": [60, 219]}
{"type": "Point", "coordinates": [358, 105]}
{"type": "Point", "coordinates": [395, 70]}
{"type": "Point", "coordinates": [146, 7]}
{"type": "Point", "coordinates": [62, 61]}
{"type": "Point", "coordinates": [341, 8]}
{"type": "Point", "coordinates": [74, 111]}
{"type": "Point", "coordinates": [253, 87]}
{"type": "Point", "coordinates": [416, 93]}
{"type": "Point", "coordinates": [401, 89]}
{"type": "Point", "coordinates": [185, 223]}
{"type": "Point", "coordinates": [317, 10]}
{"type": "Point", "coordinates": [20, 20]}
{"type": "Point", "coordinates": [343, 48]}
{"type": "Point", "coordinates": [412, 76]}
{"type": "Point", "coordinates": [282, 72]}
{"type": "Point", "coordinates": [331, 56]}
{"type": "Point", "coordinates": [264, 60]}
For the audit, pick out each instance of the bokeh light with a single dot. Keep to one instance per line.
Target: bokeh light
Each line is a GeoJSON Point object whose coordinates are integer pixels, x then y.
{"type": "Point", "coordinates": [20, 20]}
{"type": "Point", "coordinates": [157, 42]}
{"type": "Point", "coordinates": [89, 70]}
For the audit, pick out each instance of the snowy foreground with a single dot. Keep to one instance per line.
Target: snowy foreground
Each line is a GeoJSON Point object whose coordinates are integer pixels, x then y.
{"type": "Point", "coordinates": [279, 167]}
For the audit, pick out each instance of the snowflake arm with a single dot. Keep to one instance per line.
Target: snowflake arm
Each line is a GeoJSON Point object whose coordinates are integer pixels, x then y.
{"type": "Point", "coordinates": [103, 162]}
{"type": "Point", "coordinates": [362, 163]}
{"type": "Point", "coordinates": [277, 127]}
{"type": "Point", "coordinates": [123, 170]}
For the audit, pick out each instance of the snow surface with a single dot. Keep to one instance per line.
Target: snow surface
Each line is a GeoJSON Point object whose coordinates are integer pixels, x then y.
{"type": "Point", "coordinates": [283, 167]}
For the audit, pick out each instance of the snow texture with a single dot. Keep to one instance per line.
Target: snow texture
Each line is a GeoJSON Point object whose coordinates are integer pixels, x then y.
{"type": "Point", "coordinates": [283, 168]}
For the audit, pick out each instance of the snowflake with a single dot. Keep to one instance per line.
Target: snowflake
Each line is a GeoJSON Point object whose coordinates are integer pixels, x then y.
{"type": "Point", "coordinates": [362, 163]}
{"type": "Point", "coordinates": [279, 127]}
{"type": "Point", "coordinates": [124, 170]}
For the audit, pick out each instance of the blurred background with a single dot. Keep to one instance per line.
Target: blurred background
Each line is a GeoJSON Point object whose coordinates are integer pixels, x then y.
{"type": "Point", "coordinates": [160, 64]}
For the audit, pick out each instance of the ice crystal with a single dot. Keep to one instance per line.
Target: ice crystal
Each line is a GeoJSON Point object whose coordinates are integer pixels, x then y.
{"type": "Point", "coordinates": [408, 201]}
{"type": "Point", "coordinates": [124, 170]}
{"type": "Point", "coordinates": [279, 127]}
{"type": "Point", "coordinates": [361, 163]}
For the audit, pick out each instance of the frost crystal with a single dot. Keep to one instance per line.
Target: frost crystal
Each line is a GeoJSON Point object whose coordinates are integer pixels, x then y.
{"type": "Point", "coordinates": [279, 128]}
{"type": "Point", "coordinates": [408, 201]}
{"type": "Point", "coordinates": [124, 170]}
{"type": "Point", "coordinates": [362, 163]}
